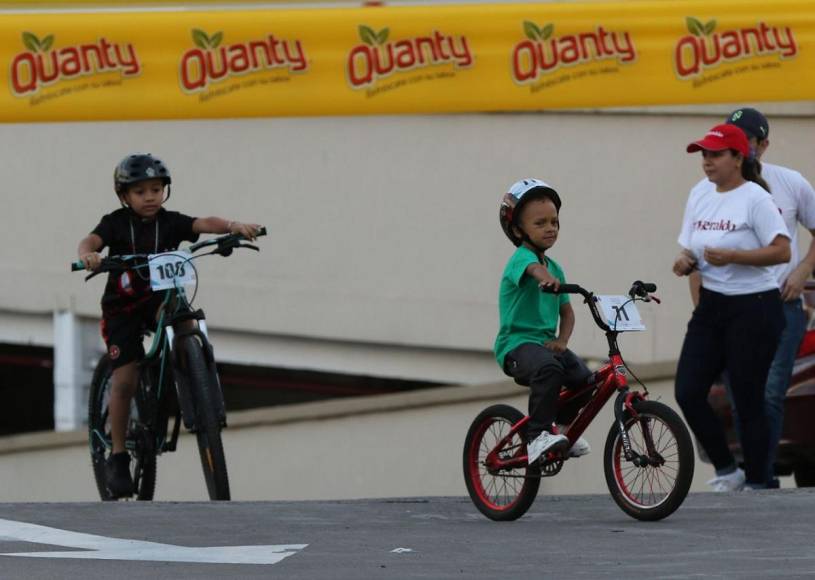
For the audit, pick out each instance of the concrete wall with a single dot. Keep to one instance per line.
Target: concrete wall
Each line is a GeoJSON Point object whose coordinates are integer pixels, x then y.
{"type": "Point", "coordinates": [386, 446]}
{"type": "Point", "coordinates": [384, 251]}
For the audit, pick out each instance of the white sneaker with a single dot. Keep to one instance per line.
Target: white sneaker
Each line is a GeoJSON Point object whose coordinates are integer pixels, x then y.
{"type": "Point", "coordinates": [731, 482]}
{"type": "Point", "coordinates": [543, 443]}
{"type": "Point", "coordinates": [580, 448]}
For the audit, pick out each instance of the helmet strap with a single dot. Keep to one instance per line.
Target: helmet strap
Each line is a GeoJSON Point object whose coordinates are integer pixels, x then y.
{"type": "Point", "coordinates": [533, 246]}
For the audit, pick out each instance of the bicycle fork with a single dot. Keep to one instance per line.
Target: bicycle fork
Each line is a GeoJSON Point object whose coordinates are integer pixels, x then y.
{"type": "Point", "coordinates": [625, 403]}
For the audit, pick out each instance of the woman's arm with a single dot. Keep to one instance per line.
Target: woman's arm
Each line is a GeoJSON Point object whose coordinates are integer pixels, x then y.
{"type": "Point", "coordinates": [217, 225]}
{"type": "Point", "coordinates": [695, 285]}
{"type": "Point", "coordinates": [778, 252]}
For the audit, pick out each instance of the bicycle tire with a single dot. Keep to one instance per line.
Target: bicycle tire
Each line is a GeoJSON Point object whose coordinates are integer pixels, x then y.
{"type": "Point", "coordinates": [208, 432]}
{"type": "Point", "coordinates": [143, 464]}
{"type": "Point", "coordinates": [502, 496]}
{"type": "Point", "coordinates": [672, 478]}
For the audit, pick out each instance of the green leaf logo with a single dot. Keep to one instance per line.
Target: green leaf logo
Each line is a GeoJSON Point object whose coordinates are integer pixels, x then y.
{"type": "Point", "coordinates": [31, 42]}
{"type": "Point", "coordinates": [368, 36]}
{"type": "Point", "coordinates": [531, 30]}
{"type": "Point", "coordinates": [709, 27]}
{"type": "Point", "coordinates": [383, 35]}
{"type": "Point", "coordinates": [200, 38]}
{"type": "Point", "coordinates": [695, 26]}
{"type": "Point", "coordinates": [47, 42]}
{"type": "Point", "coordinates": [547, 31]}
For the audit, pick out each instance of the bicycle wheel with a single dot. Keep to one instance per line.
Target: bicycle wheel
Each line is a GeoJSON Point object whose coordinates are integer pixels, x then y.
{"type": "Point", "coordinates": [142, 449]}
{"type": "Point", "coordinates": [210, 446]}
{"type": "Point", "coordinates": [654, 490]}
{"type": "Point", "coordinates": [505, 494]}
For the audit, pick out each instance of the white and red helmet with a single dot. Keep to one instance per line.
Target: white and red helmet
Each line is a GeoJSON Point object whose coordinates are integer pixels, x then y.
{"type": "Point", "coordinates": [519, 193]}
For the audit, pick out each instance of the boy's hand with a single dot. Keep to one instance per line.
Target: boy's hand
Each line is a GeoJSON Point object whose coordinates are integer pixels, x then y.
{"type": "Point", "coordinates": [557, 346]}
{"type": "Point", "coordinates": [546, 280]}
{"type": "Point", "coordinates": [92, 260]}
{"type": "Point", "coordinates": [248, 231]}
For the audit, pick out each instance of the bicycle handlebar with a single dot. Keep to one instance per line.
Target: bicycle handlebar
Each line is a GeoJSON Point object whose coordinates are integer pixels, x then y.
{"type": "Point", "coordinates": [225, 243]}
{"type": "Point", "coordinates": [639, 289]}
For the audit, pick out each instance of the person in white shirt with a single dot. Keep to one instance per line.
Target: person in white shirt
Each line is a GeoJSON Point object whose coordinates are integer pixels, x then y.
{"type": "Point", "coordinates": [733, 234]}
{"type": "Point", "coordinates": [795, 197]}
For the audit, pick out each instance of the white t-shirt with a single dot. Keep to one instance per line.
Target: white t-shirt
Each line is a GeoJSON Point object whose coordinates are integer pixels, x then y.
{"type": "Point", "coordinates": [795, 197]}
{"type": "Point", "coordinates": [744, 218]}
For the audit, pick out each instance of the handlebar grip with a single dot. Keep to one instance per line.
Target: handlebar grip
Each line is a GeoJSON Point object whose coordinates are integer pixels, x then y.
{"type": "Point", "coordinates": [563, 289]}
{"type": "Point", "coordinates": [77, 266]}
{"type": "Point", "coordinates": [646, 286]}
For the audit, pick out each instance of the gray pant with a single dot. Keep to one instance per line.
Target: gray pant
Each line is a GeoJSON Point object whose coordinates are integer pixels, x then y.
{"type": "Point", "coordinates": [545, 372]}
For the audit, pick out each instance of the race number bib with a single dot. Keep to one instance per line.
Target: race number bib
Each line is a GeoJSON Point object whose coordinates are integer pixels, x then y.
{"type": "Point", "coordinates": [171, 269]}
{"type": "Point", "coordinates": [618, 314]}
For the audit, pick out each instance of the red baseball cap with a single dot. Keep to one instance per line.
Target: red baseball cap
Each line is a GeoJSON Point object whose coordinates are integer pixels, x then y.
{"type": "Point", "coordinates": [723, 137]}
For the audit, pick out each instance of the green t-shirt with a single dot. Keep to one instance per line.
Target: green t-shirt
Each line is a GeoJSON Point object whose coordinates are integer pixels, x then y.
{"type": "Point", "coordinates": [527, 314]}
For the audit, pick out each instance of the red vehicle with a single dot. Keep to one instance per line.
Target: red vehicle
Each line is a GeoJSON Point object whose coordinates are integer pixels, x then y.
{"type": "Point", "coordinates": [796, 450]}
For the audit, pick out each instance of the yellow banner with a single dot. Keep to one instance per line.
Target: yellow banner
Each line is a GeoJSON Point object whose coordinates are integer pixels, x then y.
{"type": "Point", "coordinates": [417, 59]}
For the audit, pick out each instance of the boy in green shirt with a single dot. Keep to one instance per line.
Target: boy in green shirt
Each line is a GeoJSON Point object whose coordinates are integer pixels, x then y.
{"type": "Point", "coordinates": [529, 347]}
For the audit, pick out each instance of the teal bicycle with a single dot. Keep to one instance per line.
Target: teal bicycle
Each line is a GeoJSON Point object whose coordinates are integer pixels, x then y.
{"type": "Point", "coordinates": [178, 379]}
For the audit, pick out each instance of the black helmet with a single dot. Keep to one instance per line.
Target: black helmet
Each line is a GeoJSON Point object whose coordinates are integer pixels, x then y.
{"type": "Point", "coordinates": [139, 167]}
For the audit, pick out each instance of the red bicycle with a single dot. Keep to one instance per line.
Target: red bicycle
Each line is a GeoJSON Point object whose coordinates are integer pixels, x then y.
{"type": "Point", "coordinates": [648, 456]}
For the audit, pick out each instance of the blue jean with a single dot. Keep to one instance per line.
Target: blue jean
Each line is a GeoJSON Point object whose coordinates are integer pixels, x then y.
{"type": "Point", "coordinates": [737, 334]}
{"type": "Point", "coordinates": [778, 379]}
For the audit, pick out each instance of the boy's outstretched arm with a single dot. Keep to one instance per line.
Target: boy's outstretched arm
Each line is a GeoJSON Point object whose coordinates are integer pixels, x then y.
{"type": "Point", "coordinates": [561, 343]}
{"type": "Point", "coordinates": [216, 225]}
{"type": "Point", "coordinates": [88, 251]}
{"type": "Point", "coordinates": [541, 273]}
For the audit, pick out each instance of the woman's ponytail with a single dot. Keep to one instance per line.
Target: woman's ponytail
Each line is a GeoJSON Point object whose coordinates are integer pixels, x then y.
{"type": "Point", "coordinates": [751, 171]}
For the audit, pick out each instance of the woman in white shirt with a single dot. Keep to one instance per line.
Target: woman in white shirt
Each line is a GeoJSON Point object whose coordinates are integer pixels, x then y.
{"type": "Point", "coordinates": [733, 234]}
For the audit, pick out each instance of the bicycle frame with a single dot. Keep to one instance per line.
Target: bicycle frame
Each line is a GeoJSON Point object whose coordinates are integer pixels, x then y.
{"type": "Point", "coordinates": [162, 345]}
{"type": "Point", "coordinates": [605, 381]}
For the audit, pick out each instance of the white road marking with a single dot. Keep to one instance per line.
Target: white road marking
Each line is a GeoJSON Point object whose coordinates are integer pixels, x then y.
{"type": "Point", "coordinates": [401, 550]}
{"type": "Point", "coordinates": [102, 548]}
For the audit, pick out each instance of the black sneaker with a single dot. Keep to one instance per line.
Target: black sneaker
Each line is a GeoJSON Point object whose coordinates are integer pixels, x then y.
{"type": "Point", "coordinates": [117, 475]}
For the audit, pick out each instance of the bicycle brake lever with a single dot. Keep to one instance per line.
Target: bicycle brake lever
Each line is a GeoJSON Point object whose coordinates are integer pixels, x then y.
{"type": "Point", "coordinates": [250, 246]}
{"type": "Point", "coordinates": [91, 275]}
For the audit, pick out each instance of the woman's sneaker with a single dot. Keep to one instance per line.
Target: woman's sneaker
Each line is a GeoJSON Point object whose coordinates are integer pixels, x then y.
{"type": "Point", "coordinates": [545, 442]}
{"type": "Point", "coordinates": [731, 482]}
{"type": "Point", "coordinates": [117, 475]}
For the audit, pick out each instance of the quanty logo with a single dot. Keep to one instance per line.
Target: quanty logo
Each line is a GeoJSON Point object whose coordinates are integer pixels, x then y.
{"type": "Point", "coordinates": [212, 62]}
{"type": "Point", "coordinates": [704, 48]}
{"type": "Point", "coordinates": [43, 65]}
{"type": "Point", "coordinates": [376, 58]}
{"type": "Point", "coordinates": [542, 52]}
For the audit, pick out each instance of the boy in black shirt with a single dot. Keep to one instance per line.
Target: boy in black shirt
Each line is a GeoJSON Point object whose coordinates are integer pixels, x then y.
{"type": "Point", "coordinates": [141, 226]}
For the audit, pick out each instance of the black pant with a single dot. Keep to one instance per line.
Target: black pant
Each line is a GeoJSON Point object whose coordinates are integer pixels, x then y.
{"type": "Point", "coordinates": [738, 334]}
{"type": "Point", "coordinates": [545, 372]}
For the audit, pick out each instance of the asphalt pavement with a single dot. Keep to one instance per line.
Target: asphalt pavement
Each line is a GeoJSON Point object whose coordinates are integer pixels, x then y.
{"type": "Point", "coordinates": [768, 534]}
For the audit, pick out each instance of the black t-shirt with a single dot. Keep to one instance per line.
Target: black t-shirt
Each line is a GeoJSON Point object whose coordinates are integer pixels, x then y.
{"type": "Point", "coordinates": [123, 232]}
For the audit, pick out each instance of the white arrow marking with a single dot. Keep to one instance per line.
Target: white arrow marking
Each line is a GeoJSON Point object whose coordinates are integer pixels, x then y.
{"type": "Point", "coordinates": [102, 548]}
{"type": "Point", "coordinates": [401, 550]}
